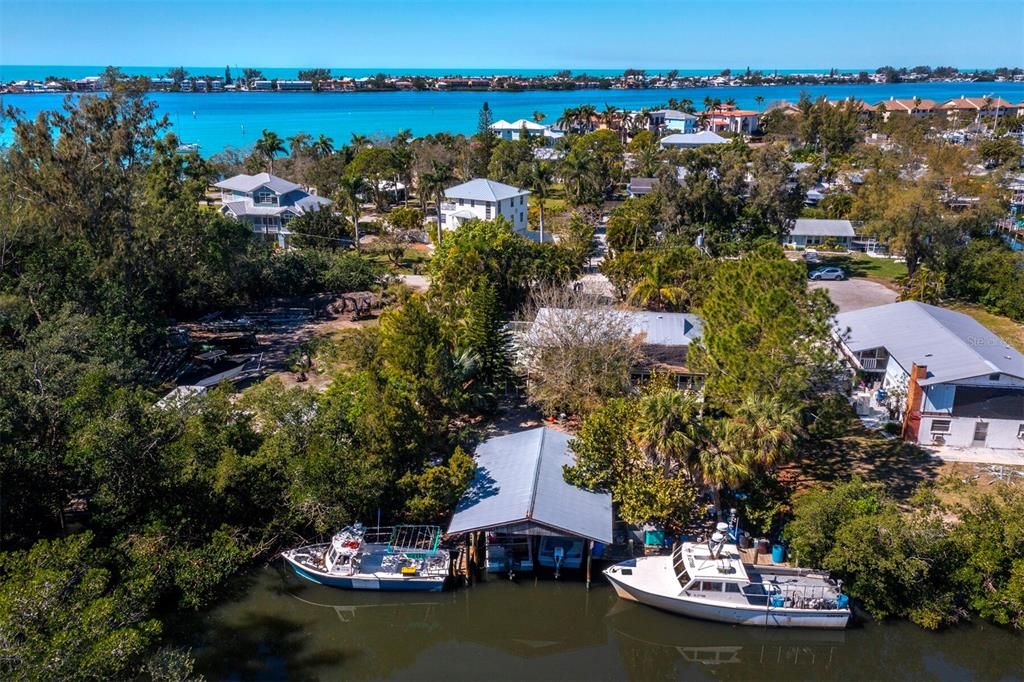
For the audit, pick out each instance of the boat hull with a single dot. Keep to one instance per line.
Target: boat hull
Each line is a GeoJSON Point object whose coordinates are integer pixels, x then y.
{"type": "Point", "coordinates": [754, 615]}
{"type": "Point", "coordinates": [373, 581]}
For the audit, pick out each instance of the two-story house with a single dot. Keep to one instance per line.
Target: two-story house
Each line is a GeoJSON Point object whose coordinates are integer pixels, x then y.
{"type": "Point", "coordinates": [960, 385]}
{"type": "Point", "coordinates": [268, 203]}
{"type": "Point", "coordinates": [485, 200]}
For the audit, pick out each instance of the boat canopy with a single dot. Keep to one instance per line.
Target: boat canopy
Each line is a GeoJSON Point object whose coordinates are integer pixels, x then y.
{"type": "Point", "coordinates": [519, 488]}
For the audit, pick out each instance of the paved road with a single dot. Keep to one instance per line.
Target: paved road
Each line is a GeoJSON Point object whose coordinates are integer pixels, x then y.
{"type": "Point", "coordinates": [854, 294]}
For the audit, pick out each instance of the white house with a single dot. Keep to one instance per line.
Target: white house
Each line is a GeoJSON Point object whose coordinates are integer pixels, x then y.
{"type": "Point", "coordinates": [691, 140]}
{"type": "Point", "coordinates": [267, 202]}
{"type": "Point", "coordinates": [484, 199]}
{"type": "Point", "coordinates": [513, 130]}
{"type": "Point", "coordinates": [964, 385]}
{"type": "Point", "coordinates": [810, 232]}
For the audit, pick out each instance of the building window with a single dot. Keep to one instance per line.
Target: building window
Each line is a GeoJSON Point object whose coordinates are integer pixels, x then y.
{"type": "Point", "coordinates": [522, 217]}
{"type": "Point", "coordinates": [993, 377]}
{"type": "Point", "coordinates": [1020, 432]}
{"type": "Point", "coordinates": [462, 202]}
{"type": "Point", "coordinates": [264, 197]}
{"type": "Point", "coordinates": [940, 426]}
{"type": "Point", "coordinates": [487, 211]}
{"type": "Point", "coordinates": [521, 200]}
{"type": "Point", "coordinates": [472, 203]}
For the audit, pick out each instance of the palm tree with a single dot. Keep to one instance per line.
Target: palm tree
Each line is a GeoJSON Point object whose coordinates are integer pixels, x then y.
{"type": "Point", "coordinates": [567, 121]}
{"type": "Point", "coordinates": [686, 106]}
{"type": "Point", "coordinates": [657, 288]}
{"type": "Point", "coordinates": [358, 141]}
{"type": "Point", "coordinates": [539, 116]}
{"type": "Point", "coordinates": [769, 428]}
{"type": "Point", "coordinates": [759, 100]}
{"type": "Point", "coordinates": [538, 181]}
{"type": "Point", "coordinates": [587, 113]}
{"type": "Point", "coordinates": [298, 143]}
{"type": "Point", "coordinates": [268, 146]}
{"type": "Point", "coordinates": [580, 170]}
{"type": "Point", "coordinates": [349, 197]}
{"type": "Point", "coordinates": [324, 146]}
{"type": "Point", "coordinates": [610, 116]}
{"type": "Point", "coordinates": [667, 427]}
{"type": "Point", "coordinates": [434, 184]}
{"type": "Point", "coordinates": [718, 460]}
{"type": "Point", "coordinates": [646, 160]}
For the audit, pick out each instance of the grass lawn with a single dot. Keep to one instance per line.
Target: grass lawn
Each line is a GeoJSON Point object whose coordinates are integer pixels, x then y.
{"type": "Point", "coordinates": [413, 261]}
{"type": "Point", "coordinates": [1009, 330]}
{"type": "Point", "coordinates": [899, 467]}
{"type": "Point", "coordinates": [884, 270]}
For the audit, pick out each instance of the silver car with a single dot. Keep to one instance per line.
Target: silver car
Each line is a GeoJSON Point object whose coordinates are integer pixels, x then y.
{"type": "Point", "coordinates": [827, 273]}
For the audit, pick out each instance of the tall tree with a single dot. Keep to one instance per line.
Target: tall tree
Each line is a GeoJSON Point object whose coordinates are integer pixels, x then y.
{"type": "Point", "coordinates": [268, 146]}
{"type": "Point", "coordinates": [350, 197]}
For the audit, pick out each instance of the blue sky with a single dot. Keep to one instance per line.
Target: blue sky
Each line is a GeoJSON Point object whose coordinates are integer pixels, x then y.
{"type": "Point", "coordinates": [521, 33]}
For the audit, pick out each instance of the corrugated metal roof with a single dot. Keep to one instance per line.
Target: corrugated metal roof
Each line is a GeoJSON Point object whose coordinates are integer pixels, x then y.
{"type": "Point", "coordinates": [482, 189]}
{"type": "Point", "coordinates": [692, 139]}
{"type": "Point", "coordinates": [951, 345]}
{"type": "Point", "coordinates": [814, 227]}
{"type": "Point", "coordinates": [519, 481]}
{"type": "Point", "coordinates": [658, 329]}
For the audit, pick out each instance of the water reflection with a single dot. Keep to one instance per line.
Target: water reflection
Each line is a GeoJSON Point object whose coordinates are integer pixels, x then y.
{"type": "Point", "coordinates": [281, 627]}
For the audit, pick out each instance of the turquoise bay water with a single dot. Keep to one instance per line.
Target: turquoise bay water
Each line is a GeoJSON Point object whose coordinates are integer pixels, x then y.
{"type": "Point", "coordinates": [214, 121]}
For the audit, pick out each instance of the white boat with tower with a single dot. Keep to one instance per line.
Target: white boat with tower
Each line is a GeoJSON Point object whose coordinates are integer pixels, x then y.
{"type": "Point", "coordinates": [710, 581]}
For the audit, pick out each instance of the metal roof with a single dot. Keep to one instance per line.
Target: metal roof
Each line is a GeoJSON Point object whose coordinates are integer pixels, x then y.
{"type": "Point", "coordinates": [250, 183]}
{"type": "Point", "coordinates": [516, 125]}
{"type": "Point", "coordinates": [692, 139]}
{"type": "Point", "coordinates": [657, 329]}
{"type": "Point", "coordinates": [482, 189]}
{"type": "Point", "coordinates": [519, 485]}
{"type": "Point", "coordinates": [815, 227]}
{"type": "Point", "coordinates": [951, 345]}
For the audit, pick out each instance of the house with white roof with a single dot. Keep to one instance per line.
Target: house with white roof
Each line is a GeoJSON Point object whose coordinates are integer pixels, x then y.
{"type": "Point", "coordinates": [484, 199]}
{"type": "Point", "coordinates": [267, 202]}
{"type": "Point", "coordinates": [813, 232]}
{"type": "Point", "coordinates": [963, 385]}
{"type": "Point", "coordinates": [691, 140]}
{"type": "Point", "coordinates": [514, 130]}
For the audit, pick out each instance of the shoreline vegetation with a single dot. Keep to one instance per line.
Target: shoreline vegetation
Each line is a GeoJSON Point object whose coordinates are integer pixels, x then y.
{"type": "Point", "coordinates": [322, 80]}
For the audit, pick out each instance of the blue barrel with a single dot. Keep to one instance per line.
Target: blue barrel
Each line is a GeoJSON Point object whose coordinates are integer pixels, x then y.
{"type": "Point", "coordinates": [842, 601]}
{"type": "Point", "coordinates": [778, 554]}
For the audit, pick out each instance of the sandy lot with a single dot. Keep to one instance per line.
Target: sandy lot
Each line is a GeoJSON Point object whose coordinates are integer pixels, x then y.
{"type": "Point", "coordinates": [854, 294]}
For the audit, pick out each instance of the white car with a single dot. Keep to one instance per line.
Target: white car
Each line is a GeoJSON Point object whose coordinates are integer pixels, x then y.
{"type": "Point", "coordinates": [827, 273]}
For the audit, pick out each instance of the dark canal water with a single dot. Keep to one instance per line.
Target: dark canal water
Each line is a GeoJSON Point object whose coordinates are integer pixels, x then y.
{"type": "Point", "coordinates": [279, 627]}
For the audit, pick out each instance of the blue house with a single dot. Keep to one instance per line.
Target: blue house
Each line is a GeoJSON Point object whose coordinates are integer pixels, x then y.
{"type": "Point", "coordinates": [268, 203]}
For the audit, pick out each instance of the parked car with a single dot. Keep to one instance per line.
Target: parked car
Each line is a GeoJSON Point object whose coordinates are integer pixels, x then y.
{"type": "Point", "coordinates": [827, 273]}
{"type": "Point", "coordinates": [810, 256]}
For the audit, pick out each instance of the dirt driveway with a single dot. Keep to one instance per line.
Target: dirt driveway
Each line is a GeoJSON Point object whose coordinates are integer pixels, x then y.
{"type": "Point", "coordinates": [854, 294]}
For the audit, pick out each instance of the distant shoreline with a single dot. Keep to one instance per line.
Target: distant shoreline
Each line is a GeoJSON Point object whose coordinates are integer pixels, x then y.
{"type": "Point", "coordinates": [318, 80]}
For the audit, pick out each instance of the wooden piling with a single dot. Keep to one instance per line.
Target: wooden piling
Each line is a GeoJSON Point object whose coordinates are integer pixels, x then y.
{"type": "Point", "coordinates": [590, 554]}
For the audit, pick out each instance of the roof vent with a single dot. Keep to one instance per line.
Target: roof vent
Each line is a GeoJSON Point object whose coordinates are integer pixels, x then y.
{"type": "Point", "coordinates": [927, 355]}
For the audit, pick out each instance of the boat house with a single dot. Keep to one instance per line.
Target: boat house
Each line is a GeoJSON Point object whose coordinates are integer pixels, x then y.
{"type": "Point", "coordinates": [529, 514]}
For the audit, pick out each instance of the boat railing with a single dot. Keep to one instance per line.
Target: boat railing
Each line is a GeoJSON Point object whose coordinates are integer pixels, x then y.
{"type": "Point", "coordinates": [816, 597]}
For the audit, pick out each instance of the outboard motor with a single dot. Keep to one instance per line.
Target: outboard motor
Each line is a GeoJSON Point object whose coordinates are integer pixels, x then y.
{"type": "Point", "coordinates": [559, 555]}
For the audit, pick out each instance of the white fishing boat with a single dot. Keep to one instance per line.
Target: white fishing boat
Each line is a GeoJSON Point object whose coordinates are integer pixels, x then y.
{"type": "Point", "coordinates": [711, 582]}
{"type": "Point", "coordinates": [357, 558]}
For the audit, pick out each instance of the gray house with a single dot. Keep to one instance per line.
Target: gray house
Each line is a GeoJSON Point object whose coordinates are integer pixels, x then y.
{"type": "Point", "coordinates": [963, 385]}
{"type": "Point", "coordinates": [812, 232]}
{"type": "Point", "coordinates": [268, 203]}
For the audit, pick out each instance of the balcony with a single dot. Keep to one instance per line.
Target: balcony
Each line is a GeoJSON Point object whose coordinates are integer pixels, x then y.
{"type": "Point", "coordinates": [448, 206]}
